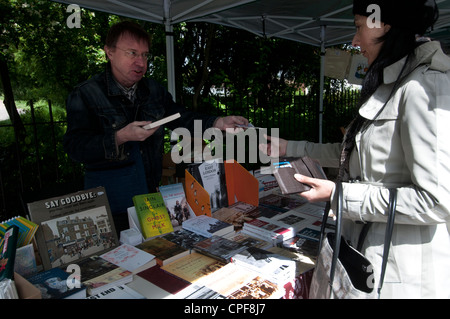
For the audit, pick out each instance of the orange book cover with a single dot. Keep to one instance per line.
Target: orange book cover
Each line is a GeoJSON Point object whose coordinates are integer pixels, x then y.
{"type": "Point", "coordinates": [197, 197]}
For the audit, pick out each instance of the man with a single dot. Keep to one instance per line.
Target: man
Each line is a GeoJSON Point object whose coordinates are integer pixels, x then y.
{"type": "Point", "coordinates": [105, 119]}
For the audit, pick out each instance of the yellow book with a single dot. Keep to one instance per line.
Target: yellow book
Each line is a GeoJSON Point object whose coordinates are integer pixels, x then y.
{"type": "Point", "coordinates": [152, 214]}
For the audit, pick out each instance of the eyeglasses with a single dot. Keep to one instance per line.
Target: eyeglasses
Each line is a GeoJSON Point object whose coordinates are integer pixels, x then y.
{"type": "Point", "coordinates": [134, 55]}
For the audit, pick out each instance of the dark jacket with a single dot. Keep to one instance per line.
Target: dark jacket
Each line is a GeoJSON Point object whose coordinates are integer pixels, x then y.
{"type": "Point", "coordinates": [97, 108]}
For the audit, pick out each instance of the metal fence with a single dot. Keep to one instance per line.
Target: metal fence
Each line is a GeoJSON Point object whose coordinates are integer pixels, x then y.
{"type": "Point", "coordinates": [36, 166]}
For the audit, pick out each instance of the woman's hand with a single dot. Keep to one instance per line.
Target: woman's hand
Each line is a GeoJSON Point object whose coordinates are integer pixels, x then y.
{"type": "Point", "coordinates": [321, 189]}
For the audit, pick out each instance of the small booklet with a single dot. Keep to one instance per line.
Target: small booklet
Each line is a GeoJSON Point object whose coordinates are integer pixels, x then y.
{"type": "Point", "coordinates": [287, 167]}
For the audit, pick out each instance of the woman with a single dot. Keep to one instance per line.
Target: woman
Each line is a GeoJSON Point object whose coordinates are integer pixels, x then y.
{"type": "Point", "coordinates": [399, 139]}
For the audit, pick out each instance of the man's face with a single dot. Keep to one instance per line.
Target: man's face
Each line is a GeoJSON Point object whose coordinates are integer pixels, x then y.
{"type": "Point", "coordinates": [127, 62]}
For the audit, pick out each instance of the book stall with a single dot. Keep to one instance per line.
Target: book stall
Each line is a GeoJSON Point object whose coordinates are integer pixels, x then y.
{"type": "Point", "coordinates": [224, 233]}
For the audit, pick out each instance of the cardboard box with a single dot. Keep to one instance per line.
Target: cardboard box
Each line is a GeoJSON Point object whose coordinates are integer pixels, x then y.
{"type": "Point", "coordinates": [25, 289]}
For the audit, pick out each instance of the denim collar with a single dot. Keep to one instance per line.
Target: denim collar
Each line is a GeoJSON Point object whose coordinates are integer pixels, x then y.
{"type": "Point", "coordinates": [115, 89]}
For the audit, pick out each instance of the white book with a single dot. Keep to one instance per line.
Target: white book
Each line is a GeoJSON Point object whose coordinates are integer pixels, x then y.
{"type": "Point", "coordinates": [117, 292]}
{"type": "Point", "coordinates": [162, 121]}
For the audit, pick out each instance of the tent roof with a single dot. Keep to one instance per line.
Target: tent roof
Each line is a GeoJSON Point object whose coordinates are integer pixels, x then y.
{"type": "Point", "coordinates": [299, 20]}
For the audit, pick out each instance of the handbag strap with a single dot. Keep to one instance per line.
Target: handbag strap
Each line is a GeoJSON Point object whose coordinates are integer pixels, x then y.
{"type": "Point", "coordinates": [337, 239]}
{"type": "Point", "coordinates": [388, 235]}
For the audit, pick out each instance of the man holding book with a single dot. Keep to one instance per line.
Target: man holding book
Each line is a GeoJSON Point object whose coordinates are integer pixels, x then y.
{"type": "Point", "coordinates": [106, 116]}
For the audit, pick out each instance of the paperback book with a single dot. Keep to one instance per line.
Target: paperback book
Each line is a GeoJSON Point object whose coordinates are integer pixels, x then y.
{"type": "Point", "coordinates": [152, 214]}
{"type": "Point", "coordinates": [177, 206]}
{"type": "Point", "coordinates": [208, 226]}
{"type": "Point", "coordinates": [211, 176]}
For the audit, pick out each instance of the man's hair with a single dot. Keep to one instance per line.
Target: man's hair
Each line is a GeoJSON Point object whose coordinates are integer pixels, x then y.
{"type": "Point", "coordinates": [132, 28]}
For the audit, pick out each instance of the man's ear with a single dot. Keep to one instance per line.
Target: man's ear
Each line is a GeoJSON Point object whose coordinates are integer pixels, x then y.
{"type": "Point", "coordinates": [107, 52]}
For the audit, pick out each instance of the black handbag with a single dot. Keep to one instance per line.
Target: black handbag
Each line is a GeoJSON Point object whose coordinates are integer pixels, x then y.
{"type": "Point", "coordinates": [341, 271]}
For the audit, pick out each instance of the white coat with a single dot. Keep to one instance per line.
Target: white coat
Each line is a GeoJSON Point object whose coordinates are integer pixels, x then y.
{"type": "Point", "coordinates": [407, 147]}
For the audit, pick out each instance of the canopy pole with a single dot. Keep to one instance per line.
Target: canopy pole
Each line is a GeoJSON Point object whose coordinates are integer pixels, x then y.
{"type": "Point", "coordinates": [170, 56]}
{"type": "Point", "coordinates": [322, 78]}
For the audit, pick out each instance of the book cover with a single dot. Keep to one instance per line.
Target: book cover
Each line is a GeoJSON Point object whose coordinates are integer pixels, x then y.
{"type": "Point", "coordinates": [282, 202]}
{"type": "Point", "coordinates": [193, 267]}
{"type": "Point", "coordinates": [274, 267]}
{"type": "Point", "coordinates": [25, 263]}
{"type": "Point", "coordinates": [117, 292]}
{"type": "Point", "coordinates": [257, 288]}
{"type": "Point", "coordinates": [211, 176]}
{"type": "Point", "coordinates": [184, 238]}
{"type": "Point", "coordinates": [231, 216]}
{"type": "Point", "coordinates": [267, 182]}
{"type": "Point", "coordinates": [8, 252]}
{"type": "Point", "coordinates": [56, 284]}
{"type": "Point", "coordinates": [208, 226]}
{"type": "Point", "coordinates": [267, 227]}
{"type": "Point", "coordinates": [73, 226]}
{"type": "Point", "coordinates": [128, 257]}
{"type": "Point", "coordinates": [219, 248]}
{"type": "Point", "coordinates": [27, 229]}
{"type": "Point", "coordinates": [176, 203]}
{"type": "Point", "coordinates": [287, 167]}
{"type": "Point", "coordinates": [152, 214]}
{"type": "Point", "coordinates": [293, 219]}
{"type": "Point", "coordinates": [97, 274]}
{"type": "Point", "coordinates": [197, 292]}
{"type": "Point", "coordinates": [310, 233]}
{"type": "Point", "coordinates": [163, 279]}
{"type": "Point", "coordinates": [165, 251]}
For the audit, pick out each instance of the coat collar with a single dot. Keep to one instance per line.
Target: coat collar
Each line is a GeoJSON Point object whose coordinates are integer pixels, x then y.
{"type": "Point", "coordinates": [429, 54]}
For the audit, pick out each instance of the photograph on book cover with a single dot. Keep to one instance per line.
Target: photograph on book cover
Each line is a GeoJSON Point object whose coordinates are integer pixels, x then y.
{"type": "Point", "coordinates": [73, 227]}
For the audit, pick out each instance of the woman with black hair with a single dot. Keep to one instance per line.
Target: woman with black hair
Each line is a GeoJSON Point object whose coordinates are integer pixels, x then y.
{"type": "Point", "coordinates": [399, 138]}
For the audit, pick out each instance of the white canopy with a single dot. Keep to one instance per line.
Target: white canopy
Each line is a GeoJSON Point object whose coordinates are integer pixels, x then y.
{"type": "Point", "coordinates": [321, 23]}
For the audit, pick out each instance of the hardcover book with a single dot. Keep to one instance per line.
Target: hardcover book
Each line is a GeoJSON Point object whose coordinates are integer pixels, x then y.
{"type": "Point", "coordinates": [184, 238]}
{"type": "Point", "coordinates": [152, 214]}
{"type": "Point", "coordinates": [117, 292]}
{"type": "Point", "coordinates": [274, 267]}
{"type": "Point", "coordinates": [219, 248]}
{"type": "Point", "coordinates": [164, 280]}
{"type": "Point", "coordinates": [208, 226]}
{"type": "Point", "coordinates": [257, 288]}
{"type": "Point", "coordinates": [193, 267]}
{"type": "Point", "coordinates": [287, 167]}
{"type": "Point", "coordinates": [98, 274]}
{"type": "Point", "coordinates": [73, 227]}
{"type": "Point", "coordinates": [55, 283]}
{"type": "Point", "coordinates": [267, 229]}
{"type": "Point", "coordinates": [165, 251]}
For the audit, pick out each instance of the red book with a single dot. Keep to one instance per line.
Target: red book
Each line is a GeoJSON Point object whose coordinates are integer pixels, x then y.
{"type": "Point", "coordinates": [163, 279]}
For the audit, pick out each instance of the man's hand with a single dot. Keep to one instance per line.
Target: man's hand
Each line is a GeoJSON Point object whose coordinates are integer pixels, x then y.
{"type": "Point", "coordinates": [134, 132]}
{"type": "Point", "coordinates": [229, 123]}
{"type": "Point", "coordinates": [275, 146]}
